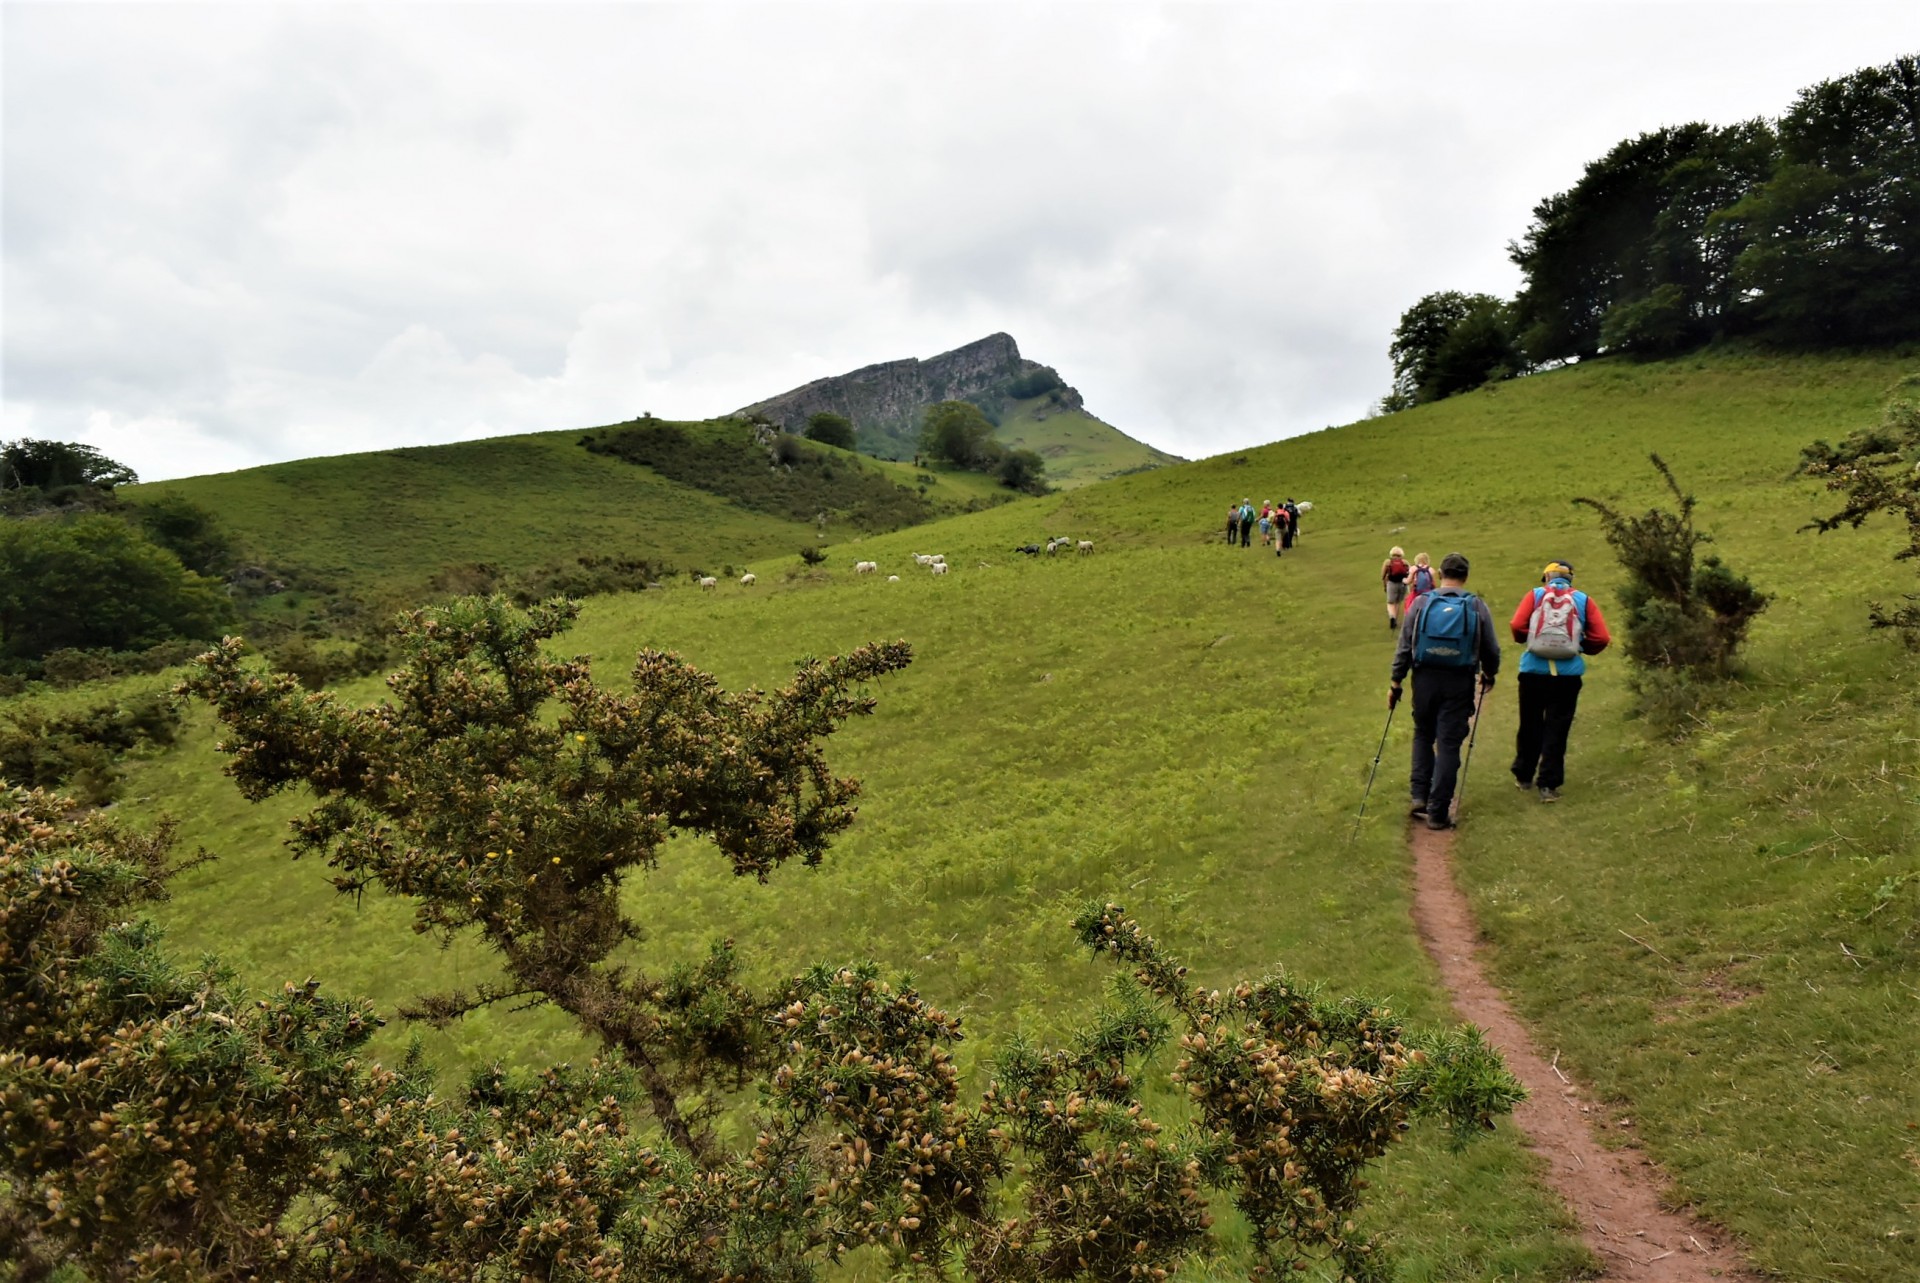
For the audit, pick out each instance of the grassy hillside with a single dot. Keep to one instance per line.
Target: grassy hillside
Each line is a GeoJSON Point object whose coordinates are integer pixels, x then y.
{"type": "Point", "coordinates": [1187, 728]}
{"type": "Point", "coordinates": [385, 523]}
{"type": "Point", "coordinates": [1079, 448]}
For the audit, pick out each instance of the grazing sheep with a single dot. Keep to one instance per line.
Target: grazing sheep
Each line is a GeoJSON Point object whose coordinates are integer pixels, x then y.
{"type": "Point", "coordinates": [708, 581]}
{"type": "Point", "coordinates": [1085, 546]}
{"type": "Point", "coordinates": [865, 567]}
{"type": "Point", "coordinates": [921, 559]}
{"type": "Point", "coordinates": [938, 567]}
{"type": "Point", "coordinates": [1306, 505]}
{"type": "Point", "coordinates": [893, 579]}
{"type": "Point", "coordinates": [938, 559]}
{"type": "Point", "coordinates": [747, 580]}
{"type": "Point", "coordinates": [1030, 549]}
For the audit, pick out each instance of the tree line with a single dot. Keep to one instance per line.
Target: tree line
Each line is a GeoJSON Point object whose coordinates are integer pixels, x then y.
{"type": "Point", "coordinates": [1802, 232]}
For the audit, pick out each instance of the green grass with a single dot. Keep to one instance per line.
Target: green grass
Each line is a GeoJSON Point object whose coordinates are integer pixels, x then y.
{"type": "Point", "coordinates": [1187, 729]}
{"type": "Point", "coordinates": [1079, 448]}
{"type": "Point", "coordinates": [384, 524]}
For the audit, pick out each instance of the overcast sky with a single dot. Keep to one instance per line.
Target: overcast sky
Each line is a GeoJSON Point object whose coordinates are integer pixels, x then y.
{"type": "Point", "coordinates": [239, 234]}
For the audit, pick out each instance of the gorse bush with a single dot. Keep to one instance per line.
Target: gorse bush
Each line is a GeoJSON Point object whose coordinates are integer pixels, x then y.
{"type": "Point", "coordinates": [1683, 613]}
{"type": "Point", "coordinates": [158, 1122]}
{"type": "Point", "coordinates": [1877, 470]}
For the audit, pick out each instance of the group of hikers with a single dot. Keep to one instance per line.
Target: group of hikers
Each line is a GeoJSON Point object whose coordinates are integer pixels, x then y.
{"type": "Point", "coordinates": [1279, 524]}
{"type": "Point", "coordinates": [1446, 640]}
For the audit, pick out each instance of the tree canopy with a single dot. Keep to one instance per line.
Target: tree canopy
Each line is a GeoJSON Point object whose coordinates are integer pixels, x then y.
{"type": "Point", "coordinates": [831, 429]}
{"type": "Point", "coordinates": [959, 433]}
{"type": "Point", "coordinates": [95, 582]}
{"type": "Point", "coordinates": [1802, 231]}
{"type": "Point", "coordinates": [52, 464]}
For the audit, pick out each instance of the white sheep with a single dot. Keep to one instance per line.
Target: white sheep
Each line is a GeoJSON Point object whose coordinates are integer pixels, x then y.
{"type": "Point", "coordinates": [893, 579]}
{"type": "Point", "coordinates": [921, 559]}
{"type": "Point", "coordinates": [1306, 505]}
{"type": "Point", "coordinates": [938, 567]}
{"type": "Point", "coordinates": [938, 559]}
{"type": "Point", "coordinates": [747, 580]}
{"type": "Point", "coordinates": [708, 581]}
{"type": "Point", "coordinates": [1085, 546]}
{"type": "Point", "coordinates": [865, 567]}
{"type": "Point", "coordinates": [1055, 545]}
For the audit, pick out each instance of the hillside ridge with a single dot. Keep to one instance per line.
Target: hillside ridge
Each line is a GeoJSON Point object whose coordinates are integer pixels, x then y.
{"type": "Point", "coordinates": [1029, 401]}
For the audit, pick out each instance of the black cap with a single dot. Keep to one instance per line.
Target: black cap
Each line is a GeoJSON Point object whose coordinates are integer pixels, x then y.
{"type": "Point", "coordinates": [1454, 566]}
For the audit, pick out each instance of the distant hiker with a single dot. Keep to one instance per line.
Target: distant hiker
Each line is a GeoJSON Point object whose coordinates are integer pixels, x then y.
{"type": "Point", "coordinates": [1286, 519]}
{"type": "Point", "coordinates": [1293, 521]}
{"type": "Point", "coordinates": [1393, 576]}
{"type": "Point", "coordinates": [1559, 627]}
{"type": "Point", "coordinates": [1421, 580]}
{"type": "Point", "coordinates": [1266, 523]}
{"type": "Point", "coordinates": [1446, 638]}
{"type": "Point", "coordinates": [1233, 523]}
{"type": "Point", "coordinates": [1246, 523]}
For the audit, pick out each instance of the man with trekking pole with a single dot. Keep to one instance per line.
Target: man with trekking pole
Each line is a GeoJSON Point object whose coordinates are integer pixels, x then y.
{"type": "Point", "coordinates": [1446, 641]}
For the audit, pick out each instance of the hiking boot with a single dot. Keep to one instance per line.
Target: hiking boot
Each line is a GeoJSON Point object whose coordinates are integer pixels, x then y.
{"type": "Point", "coordinates": [1520, 783]}
{"type": "Point", "coordinates": [1549, 795]}
{"type": "Point", "coordinates": [1438, 822]}
{"type": "Point", "coordinates": [1418, 812]}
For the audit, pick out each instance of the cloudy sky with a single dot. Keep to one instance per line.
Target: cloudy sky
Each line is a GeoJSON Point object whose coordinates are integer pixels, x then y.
{"type": "Point", "coordinates": [236, 234]}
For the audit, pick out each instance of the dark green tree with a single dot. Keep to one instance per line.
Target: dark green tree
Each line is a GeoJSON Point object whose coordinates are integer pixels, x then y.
{"type": "Point", "coordinates": [831, 429]}
{"type": "Point", "coordinates": [187, 530]}
{"type": "Point", "coordinates": [49, 465]}
{"type": "Point", "coordinates": [1450, 342]}
{"type": "Point", "coordinates": [1835, 231]}
{"type": "Point", "coordinates": [958, 433]}
{"type": "Point", "coordinates": [1022, 470]}
{"type": "Point", "coordinates": [95, 582]}
{"type": "Point", "coordinates": [1635, 254]}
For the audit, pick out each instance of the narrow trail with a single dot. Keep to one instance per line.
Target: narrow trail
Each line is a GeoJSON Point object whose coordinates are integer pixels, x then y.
{"type": "Point", "coordinates": [1614, 1194]}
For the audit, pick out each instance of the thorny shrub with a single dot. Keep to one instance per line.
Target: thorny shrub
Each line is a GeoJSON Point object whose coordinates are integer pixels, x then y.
{"type": "Point", "coordinates": [1686, 616]}
{"type": "Point", "coordinates": [157, 1123]}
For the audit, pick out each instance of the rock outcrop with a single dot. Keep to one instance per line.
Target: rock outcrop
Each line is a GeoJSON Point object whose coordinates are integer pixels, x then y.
{"type": "Point", "coordinates": [885, 401]}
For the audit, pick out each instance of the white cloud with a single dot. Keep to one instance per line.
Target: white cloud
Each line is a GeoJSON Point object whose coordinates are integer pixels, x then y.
{"type": "Point", "coordinates": [235, 234]}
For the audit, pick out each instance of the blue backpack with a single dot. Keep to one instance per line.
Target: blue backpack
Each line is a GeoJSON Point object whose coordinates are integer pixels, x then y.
{"type": "Point", "coordinates": [1447, 634]}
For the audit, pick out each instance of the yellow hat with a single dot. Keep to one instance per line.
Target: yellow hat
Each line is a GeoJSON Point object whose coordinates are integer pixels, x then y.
{"type": "Point", "coordinates": [1555, 570]}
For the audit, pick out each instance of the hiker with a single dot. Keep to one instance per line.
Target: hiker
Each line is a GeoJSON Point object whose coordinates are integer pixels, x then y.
{"type": "Point", "coordinates": [1420, 580]}
{"type": "Point", "coordinates": [1293, 521]}
{"type": "Point", "coordinates": [1286, 520]}
{"type": "Point", "coordinates": [1246, 523]}
{"type": "Point", "coordinates": [1393, 575]}
{"type": "Point", "coordinates": [1266, 523]}
{"type": "Point", "coordinates": [1282, 531]}
{"type": "Point", "coordinates": [1446, 639]}
{"type": "Point", "coordinates": [1559, 627]}
{"type": "Point", "coordinates": [1233, 523]}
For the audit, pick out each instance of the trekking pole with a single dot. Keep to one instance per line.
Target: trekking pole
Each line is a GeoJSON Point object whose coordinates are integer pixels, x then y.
{"type": "Point", "coordinates": [1460, 792]}
{"type": "Point", "coordinates": [1375, 771]}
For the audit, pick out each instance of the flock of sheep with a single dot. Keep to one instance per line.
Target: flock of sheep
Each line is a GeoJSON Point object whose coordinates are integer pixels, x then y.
{"type": "Point", "coordinates": [936, 563]}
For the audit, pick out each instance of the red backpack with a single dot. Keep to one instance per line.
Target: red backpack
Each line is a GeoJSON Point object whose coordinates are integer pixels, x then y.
{"type": "Point", "coordinates": [1397, 570]}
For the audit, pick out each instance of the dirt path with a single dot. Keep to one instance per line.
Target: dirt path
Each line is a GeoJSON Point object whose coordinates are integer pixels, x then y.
{"type": "Point", "coordinates": [1613, 1193]}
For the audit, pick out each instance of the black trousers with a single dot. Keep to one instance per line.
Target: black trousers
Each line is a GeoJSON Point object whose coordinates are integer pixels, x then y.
{"type": "Point", "coordinates": [1286, 536]}
{"type": "Point", "coordinates": [1246, 532]}
{"type": "Point", "coordinates": [1442, 708]}
{"type": "Point", "coordinates": [1546, 715]}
